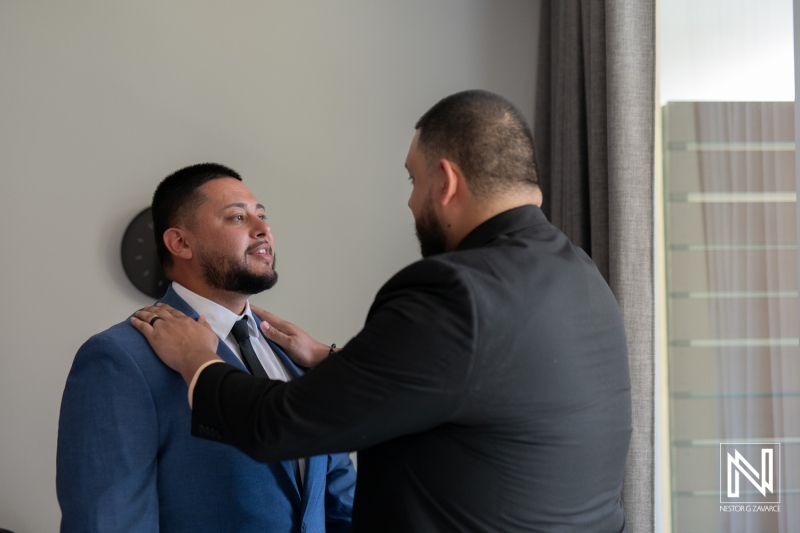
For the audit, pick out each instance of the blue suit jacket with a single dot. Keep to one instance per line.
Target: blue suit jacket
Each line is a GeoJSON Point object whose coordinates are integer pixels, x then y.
{"type": "Point", "coordinates": [127, 460]}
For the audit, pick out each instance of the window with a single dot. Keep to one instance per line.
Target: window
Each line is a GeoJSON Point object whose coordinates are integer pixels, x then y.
{"type": "Point", "coordinates": [730, 361]}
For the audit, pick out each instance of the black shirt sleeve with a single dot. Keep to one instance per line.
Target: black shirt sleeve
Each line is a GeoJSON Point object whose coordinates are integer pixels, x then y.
{"type": "Point", "coordinates": [405, 372]}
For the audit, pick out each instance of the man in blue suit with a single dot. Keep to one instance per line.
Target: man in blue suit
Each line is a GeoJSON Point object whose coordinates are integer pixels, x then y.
{"type": "Point", "coordinates": [126, 460]}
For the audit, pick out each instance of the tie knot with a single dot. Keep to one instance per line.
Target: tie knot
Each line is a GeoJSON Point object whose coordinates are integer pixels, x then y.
{"type": "Point", "coordinates": [240, 330]}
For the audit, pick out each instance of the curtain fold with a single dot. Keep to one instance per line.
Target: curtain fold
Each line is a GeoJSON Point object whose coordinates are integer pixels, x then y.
{"type": "Point", "coordinates": [594, 132]}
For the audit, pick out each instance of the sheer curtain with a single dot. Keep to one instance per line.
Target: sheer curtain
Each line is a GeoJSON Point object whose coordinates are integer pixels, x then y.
{"type": "Point", "coordinates": [746, 196]}
{"type": "Point", "coordinates": [595, 134]}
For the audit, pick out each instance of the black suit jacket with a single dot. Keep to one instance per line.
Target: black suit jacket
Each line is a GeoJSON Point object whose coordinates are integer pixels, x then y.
{"type": "Point", "coordinates": [488, 391]}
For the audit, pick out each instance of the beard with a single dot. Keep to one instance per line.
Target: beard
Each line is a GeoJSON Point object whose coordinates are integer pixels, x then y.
{"type": "Point", "coordinates": [223, 273]}
{"type": "Point", "coordinates": [430, 233]}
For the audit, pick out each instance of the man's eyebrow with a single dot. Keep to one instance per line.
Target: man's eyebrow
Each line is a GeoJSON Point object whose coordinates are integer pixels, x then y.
{"type": "Point", "coordinates": [243, 205]}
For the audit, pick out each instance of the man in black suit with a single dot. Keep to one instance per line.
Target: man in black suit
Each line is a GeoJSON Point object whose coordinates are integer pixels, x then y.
{"type": "Point", "coordinates": [489, 388]}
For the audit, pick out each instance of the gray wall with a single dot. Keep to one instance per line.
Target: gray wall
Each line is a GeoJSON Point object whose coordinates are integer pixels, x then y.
{"type": "Point", "coordinates": [313, 102]}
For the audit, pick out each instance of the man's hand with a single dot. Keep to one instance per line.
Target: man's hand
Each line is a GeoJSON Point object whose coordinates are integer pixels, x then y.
{"type": "Point", "coordinates": [182, 343]}
{"type": "Point", "coordinates": [298, 345]}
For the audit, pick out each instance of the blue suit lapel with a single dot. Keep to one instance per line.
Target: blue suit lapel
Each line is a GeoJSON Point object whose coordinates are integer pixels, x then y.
{"type": "Point", "coordinates": [316, 475]}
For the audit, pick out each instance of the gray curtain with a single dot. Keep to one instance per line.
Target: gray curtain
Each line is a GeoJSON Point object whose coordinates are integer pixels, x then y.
{"type": "Point", "coordinates": [595, 133]}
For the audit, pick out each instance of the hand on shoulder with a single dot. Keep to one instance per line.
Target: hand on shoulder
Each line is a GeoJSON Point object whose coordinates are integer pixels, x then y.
{"type": "Point", "coordinates": [303, 349]}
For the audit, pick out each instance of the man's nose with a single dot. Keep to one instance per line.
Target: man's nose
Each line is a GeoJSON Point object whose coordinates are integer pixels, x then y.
{"type": "Point", "coordinates": [261, 227]}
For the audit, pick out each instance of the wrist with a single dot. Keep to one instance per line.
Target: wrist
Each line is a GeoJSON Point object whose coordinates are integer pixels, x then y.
{"type": "Point", "coordinates": [322, 351]}
{"type": "Point", "coordinates": [196, 375]}
{"type": "Point", "coordinates": [194, 363]}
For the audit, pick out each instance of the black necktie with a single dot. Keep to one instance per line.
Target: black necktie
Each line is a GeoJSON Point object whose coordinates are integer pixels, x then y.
{"type": "Point", "coordinates": [242, 336]}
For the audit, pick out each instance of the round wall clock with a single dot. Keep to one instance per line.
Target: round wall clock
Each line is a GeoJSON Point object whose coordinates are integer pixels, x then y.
{"type": "Point", "coordinates": [139, 256]}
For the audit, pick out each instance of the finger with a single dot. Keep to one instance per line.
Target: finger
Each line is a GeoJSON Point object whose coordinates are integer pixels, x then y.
{"type": "Point", "coordinates": [274, 320]}
{"type": "Point", "coordinates": [142, 326]}
{"type": "Point", "coordinates": [144, 315]}
{"type": "Point", "coordinates": [171, 310]}
{"type": "Point", "coordinates": [273, 334]}
{"type": "Point", "coordinates": [202, 320]}
{"type": "Point", "coordinates": [152, 310]}
{"type": "Point", "coordinates": [260, 313]}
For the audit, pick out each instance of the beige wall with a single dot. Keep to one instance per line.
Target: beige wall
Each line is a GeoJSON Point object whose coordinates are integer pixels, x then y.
{"type": "Point", "coordinates": [314, 102]}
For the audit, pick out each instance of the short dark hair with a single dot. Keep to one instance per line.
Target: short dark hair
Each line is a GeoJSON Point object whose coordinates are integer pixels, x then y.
{"type": "Point", "coordinates": [177, 197]}
{"type": "Point", "coordinates": [486, 136]}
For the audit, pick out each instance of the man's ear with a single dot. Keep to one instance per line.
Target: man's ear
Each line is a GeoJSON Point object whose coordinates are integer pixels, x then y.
{"type": "Point", "coordinates": [449, 183]}
{"type": "Point", "coordinates": [176, 243]}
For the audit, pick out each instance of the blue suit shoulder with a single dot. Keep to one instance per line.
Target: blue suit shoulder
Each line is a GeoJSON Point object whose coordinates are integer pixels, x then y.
{"type": "Point", "coordinates": [123, 344]}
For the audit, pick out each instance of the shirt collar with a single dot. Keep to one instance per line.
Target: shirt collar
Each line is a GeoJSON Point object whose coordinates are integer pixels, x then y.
{"type": "Point", "coordinates": [503, 223]}
{"type": "Point", "coordinates": [218, 317]}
